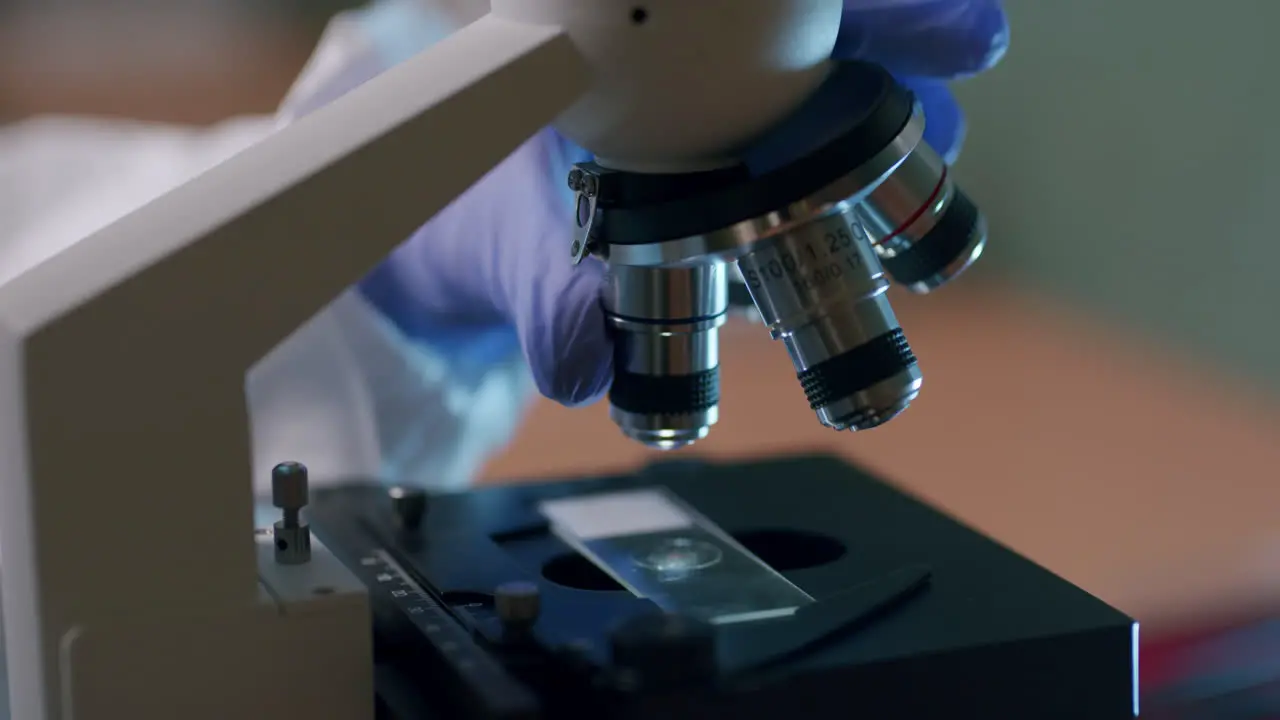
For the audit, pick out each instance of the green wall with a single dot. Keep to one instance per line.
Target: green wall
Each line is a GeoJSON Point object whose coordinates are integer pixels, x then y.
{"type": "Point", "coordinates": [1127, 154]}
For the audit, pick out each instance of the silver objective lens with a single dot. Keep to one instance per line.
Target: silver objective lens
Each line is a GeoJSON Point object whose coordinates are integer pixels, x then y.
{"type": "Point", "coordinates": [665, 320]}
{"type": "Point", "coordinates": [817, 241]}
{"type": "Point", "coordinates": [820, 288]}
{"type": "Point", "coordinates": [925, 230]}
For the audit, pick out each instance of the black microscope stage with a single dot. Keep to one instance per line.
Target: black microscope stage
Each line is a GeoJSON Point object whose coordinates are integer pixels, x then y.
{"type": "Point", "coordinates": [914, 615]}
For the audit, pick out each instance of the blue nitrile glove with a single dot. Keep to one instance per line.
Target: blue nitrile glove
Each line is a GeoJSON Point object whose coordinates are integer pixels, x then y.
{"type": "Point", "coordinates": [491, 273]}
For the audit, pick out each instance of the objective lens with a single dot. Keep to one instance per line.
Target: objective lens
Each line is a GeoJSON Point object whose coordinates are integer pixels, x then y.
{"type": "Point", "coordinates": [925, 230]}
{"type": "Point", "coordinates": [821, 289]}
{"type": "Point", "coordinates": [666, 377]}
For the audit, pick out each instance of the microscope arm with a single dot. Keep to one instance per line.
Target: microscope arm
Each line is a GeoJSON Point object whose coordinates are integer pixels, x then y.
{"type": "Point", "coordinates": [125, 489]}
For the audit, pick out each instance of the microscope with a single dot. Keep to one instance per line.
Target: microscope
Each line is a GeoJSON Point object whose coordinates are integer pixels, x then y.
{"type": "Point", "coordinates": [136, 585]}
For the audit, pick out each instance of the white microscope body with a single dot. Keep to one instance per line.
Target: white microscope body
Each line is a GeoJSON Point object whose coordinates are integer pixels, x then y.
{"type": "Point", "coordinates": [134, 584]}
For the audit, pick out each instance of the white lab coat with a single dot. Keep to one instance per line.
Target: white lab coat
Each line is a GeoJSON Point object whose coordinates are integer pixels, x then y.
{"type": "Point", "coordinates": [346, 394]}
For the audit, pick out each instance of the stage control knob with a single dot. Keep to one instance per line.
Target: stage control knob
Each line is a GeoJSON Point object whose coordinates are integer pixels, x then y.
{"type": "Point", "coordinates": [518, 605]}
{"type": "Point", "coordinates": [408, 507]}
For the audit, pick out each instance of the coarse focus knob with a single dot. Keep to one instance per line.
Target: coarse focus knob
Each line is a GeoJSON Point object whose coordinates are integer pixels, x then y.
{"type": "Point", "coordinates": [665, 649]}
{"type": "Point", "coordinates": [289, 489]}
{"type": "Point", "coordinates": [408, 507]}
{"type": "Point", "coordinates": [518, 604]}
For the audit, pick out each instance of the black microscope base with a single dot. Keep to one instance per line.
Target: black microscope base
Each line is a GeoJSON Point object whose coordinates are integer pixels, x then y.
{"type": "Point", "coordinates": [917, 616]}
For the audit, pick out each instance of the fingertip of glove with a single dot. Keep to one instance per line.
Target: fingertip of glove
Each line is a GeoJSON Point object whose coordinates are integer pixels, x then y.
{"type": "Point", "coordinates": [942, 39]}
{"type": "Point", "coordinates": [945, 124]}
{"type": "Point", "coordinates": [572, 357]}
{"type": "Point", "coordinates": [991, 39]}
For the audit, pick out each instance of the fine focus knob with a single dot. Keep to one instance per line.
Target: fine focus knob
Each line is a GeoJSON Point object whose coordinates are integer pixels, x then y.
{"type": "Point", "coordinates": [408, 507]}
{"type": "Point", "coordinates": [665, 649]}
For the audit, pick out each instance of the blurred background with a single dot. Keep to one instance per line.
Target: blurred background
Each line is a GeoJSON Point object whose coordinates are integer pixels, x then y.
{"type": "Point", "coordinates": [1102, 396]}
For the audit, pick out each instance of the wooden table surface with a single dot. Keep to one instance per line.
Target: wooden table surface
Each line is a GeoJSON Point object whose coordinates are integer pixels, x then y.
{"type": "Point", "coordinates": [1148, 484]}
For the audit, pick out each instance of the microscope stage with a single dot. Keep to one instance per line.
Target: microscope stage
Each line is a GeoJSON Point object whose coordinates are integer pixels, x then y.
{"type": "Point", "coordinates": [912, 614]}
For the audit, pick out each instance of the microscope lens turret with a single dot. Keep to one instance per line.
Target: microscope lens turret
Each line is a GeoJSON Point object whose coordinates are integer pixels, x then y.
{"type": "Point", "coordinates": [693, 180]}
{"type": "Point", "coordinates": [818, 237]}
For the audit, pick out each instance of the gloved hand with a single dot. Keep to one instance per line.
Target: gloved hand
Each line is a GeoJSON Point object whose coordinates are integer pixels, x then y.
{"type": "Point", "coordinates": [491, 273]}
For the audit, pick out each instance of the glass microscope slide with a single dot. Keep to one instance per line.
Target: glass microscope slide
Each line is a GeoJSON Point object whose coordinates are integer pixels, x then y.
{"type": "Point", "coordinates": [660, 548]}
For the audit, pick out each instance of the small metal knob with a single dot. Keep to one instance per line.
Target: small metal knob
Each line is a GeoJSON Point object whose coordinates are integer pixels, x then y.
{"type": "Point", "coordinates": [289, 490]}
{"type": "Point", "coordinates": [408, 507]}
{"type": "Point", "coordinates": [518, 604]}
{"type": "Point", "coordinates": [290, 493]}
